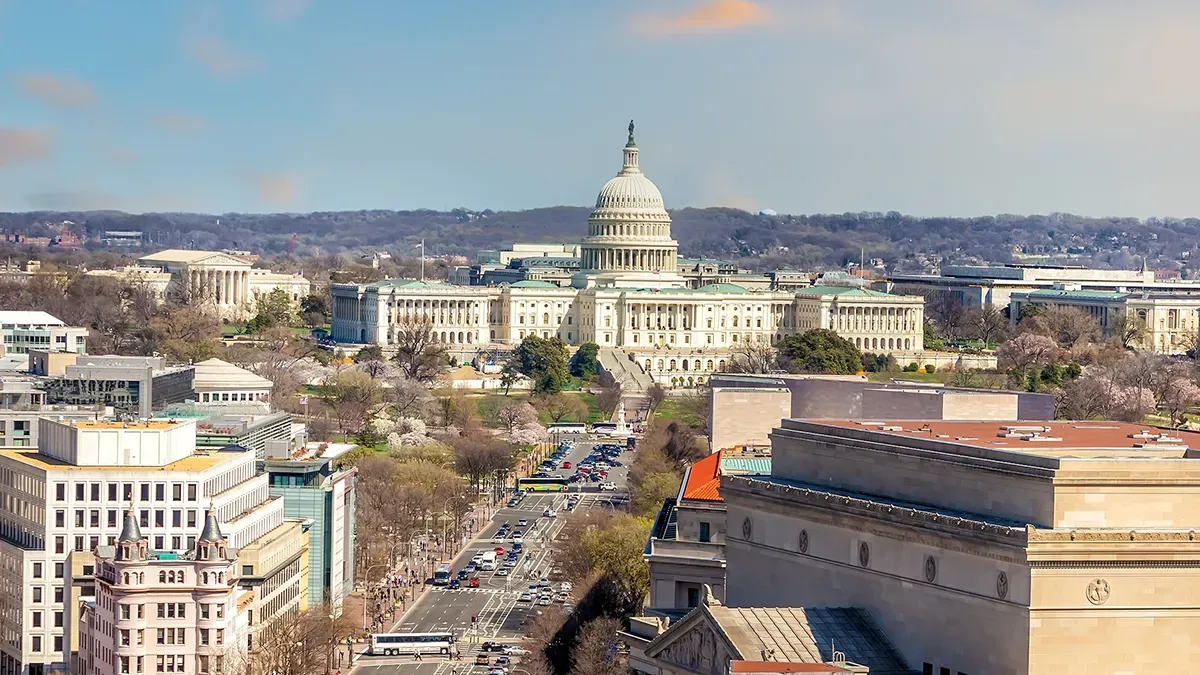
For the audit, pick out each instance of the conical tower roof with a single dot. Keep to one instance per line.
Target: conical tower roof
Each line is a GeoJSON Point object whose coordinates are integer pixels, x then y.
{"type": "Point", "coordinates": [211, 544]}
{"type": "Point", "coordinates": [130, 531]}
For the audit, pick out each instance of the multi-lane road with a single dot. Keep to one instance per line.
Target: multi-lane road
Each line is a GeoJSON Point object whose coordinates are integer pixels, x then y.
{"type": "Point", "coordinates": [494, 605]}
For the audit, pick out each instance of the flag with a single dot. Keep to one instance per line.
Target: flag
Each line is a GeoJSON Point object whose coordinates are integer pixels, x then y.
{"type": "Point", "coordinates": [420, 245]}
{"type": "Point", "coordinates": [304, 400]}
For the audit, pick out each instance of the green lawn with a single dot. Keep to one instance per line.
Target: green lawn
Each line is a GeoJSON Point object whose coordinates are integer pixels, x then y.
{"type": "Point", "coordinates": [494, 401]}
{"type": "Point", "coordinates": [672, 410]}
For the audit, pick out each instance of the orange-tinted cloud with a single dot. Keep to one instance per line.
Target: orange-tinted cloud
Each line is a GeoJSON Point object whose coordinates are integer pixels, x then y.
{"type": "Point", "coordinates": [284, 10]}
{"type": "Point", "coordinates": [58, 91]}
{"type": "Point", "coordinates": [183, 124]}
{"type": "Point", "coordinates": [217, 56]}
{"type": "Point", "coordinates": [276, 188]}
{"type": "Point", "coordinates": [706, 16]}
{"type": "Point", "coordinates": [24, 145]}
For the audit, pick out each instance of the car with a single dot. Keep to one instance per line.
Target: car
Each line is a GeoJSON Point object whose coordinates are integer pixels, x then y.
{"type": "Point", "coordinates": [522, 522]}
{"type": "Point", "coordinates": [549, 513]}
{"type": "Point", "coordinates": [502, 660]}
{"type": "Point", "coordinates": [499, 538]}
{"type": "Point", "coordinates": [525, 597]}
{"type": "Point", "coordinates": [463, 574]}
{"type": "Point", "coordinates": [518, 546]}
{"type": "Point", "coordinates": [543, 582]}
{"type": "Point", "coordinates": [515, 651]}
{"type": "Point", "coordinates": [470, 568]}
{"type": "Point", "coordinates": [566, 465]}
{"type": "Point", "coordinates": [573, 478]}
{"type": "Point", "coordinates": [564, 587]}
{"type": "Point", "coordinates": [502, 572]}
{"type": "Point", "coordinates": [482, 659]}
{"type": "Point", "coordinates": [499, 550]}
{"type": "Point", "coordinates": [561, 597]}
{"type": "Point", "coordinates": [511, 503]}
{"type": "Point", "coordinates": [473, 582]}
{"type": "Point", "coordinates": [454, 583]}
{"type": "Point", "coordinates": [608, 486]}
{"type": "Point", "coordinates": [511, 562]}
{"type": "Point", "coordinates": [616, 463]}
{"type": "Point", "coordinates": [498, 671]}
{"type": "Point", "coordinates": [544, 601]}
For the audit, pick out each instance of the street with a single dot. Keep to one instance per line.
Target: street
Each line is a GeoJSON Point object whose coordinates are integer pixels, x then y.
{"type": "Point", "coordinates": [500, 616]}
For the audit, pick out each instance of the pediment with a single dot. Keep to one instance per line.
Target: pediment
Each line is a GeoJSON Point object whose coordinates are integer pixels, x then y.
{"type": "Point", "coordinates": [221, 259]}
{"type": "Point", "coordinates": [696, 644]}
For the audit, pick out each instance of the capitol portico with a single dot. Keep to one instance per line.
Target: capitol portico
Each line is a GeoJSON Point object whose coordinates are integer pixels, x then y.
{"type": "Point", "coordinates": [628, 295]}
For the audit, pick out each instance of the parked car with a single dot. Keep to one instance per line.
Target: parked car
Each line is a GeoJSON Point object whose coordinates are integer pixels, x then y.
{"type": "Point", "coordinates": [543, 582]}
{"type": "Point", "coordinates": [550, 513]}
{"type": "Point", "coordinates": [482, 659]}
{"type": "Point", "coordinates": [522, 522]}
{"type": "Point", "coordinates": [608, 486]}
{"type": "Point", "coordinates": [566, 465]}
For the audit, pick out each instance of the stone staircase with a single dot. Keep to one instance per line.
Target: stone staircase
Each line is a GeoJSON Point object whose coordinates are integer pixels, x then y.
{"type": "Point", "coordinates": [631, 376]}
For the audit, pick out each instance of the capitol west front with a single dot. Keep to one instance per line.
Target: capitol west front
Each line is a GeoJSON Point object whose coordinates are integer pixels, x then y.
{"type": "Point", "coordinates": [628, 295]}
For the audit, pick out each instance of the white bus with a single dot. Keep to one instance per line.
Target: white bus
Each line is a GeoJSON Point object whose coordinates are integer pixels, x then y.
{"type": "Point", "coordinates": [488, 562]}
{"type": "Point", "coordinates": [441, 576]}
{"type": "Point", "coordinates": [393, 644]}
{"type": "Point", "coordinates": [567, 428]}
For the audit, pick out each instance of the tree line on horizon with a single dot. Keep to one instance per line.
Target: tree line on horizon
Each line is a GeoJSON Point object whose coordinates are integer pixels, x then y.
{"type": "Point", "coordinates": [760, 242]}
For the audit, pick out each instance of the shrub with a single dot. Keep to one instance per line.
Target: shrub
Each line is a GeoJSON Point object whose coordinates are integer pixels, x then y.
{"type": "Point", "coordinates": [911, 368]}
{"type": "Point", "coordinates": [930, 368]}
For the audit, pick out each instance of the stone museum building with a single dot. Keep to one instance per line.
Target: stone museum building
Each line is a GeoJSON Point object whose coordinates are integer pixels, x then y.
{"type": "Point", "coordinates": [978, 548]}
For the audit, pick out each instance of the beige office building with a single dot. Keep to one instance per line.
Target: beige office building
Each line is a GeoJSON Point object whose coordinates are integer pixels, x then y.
{"type": "Point", "coordinates": [978, 548]}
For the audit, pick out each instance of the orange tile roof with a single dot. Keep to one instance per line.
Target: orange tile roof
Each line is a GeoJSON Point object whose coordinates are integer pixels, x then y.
{"type": "Point", "coordinates": [704, 479]}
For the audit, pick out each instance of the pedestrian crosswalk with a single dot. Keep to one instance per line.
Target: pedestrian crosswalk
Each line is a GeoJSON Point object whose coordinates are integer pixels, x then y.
{"type": "Point", "coordinates": [490, 591]}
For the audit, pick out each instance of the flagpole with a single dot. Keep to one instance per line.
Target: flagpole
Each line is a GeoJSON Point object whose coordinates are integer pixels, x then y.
{"type": "Point", "coordinates": [422, 259]}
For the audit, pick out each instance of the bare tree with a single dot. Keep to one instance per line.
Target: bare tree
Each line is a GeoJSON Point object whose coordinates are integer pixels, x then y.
{"type": "Point", "coordinates": [352, 397]}
{"type": "Point", "coordinates": [697, 404]}
{"type": "Point", "coordinates": [299, 643]}
{"type": "Point", "coordinates": [986, 324]}
{"type": "Point", "coordinates": [1128, 330]}
{"type": "Point", "coordinates": [407, 397]}
{"type": "Point", "coordinates": [611, 393]}
{"type": "Point", "coordinates": [595, 652]}
{"type": "Point", "coordinates": [1179, 395]}
{"type": "Point", "coordinates": [516, 414]}
{"type": "Point", "coordinates": [656, 393]}
{"type": "Point", "coordinates": [753, 356]}
{"type": "Point", "coordinates": [562, 406]}
{"type": "Point", "coordinates": [946, 311]}
{"type": "Point", "coordinates": [1067, 326]}
{"type": "Point", "coordinates": [419, 352]}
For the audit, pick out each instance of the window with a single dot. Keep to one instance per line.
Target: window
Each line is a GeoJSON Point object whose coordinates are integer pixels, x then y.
{"type": "Point", "coordinates": [177, 492]}
{"type": "Point", "coordinates": [191, 492]}
{"type": "Point", "coordinates": [943, 671]}
{"type": "Point", "coordinates": [160, 492]}
{"type": "Point", "coordinates": [95, 492]}
{"type": "Point", "coordinates": [125, 637]}
{"type": "Point", "coordinates": [191, 518]}
{"type": "Point", "coordinates": [145, 490]}
{"type": "Point", "coordinates": [58, 643]}
{"type": "Point", "coordinates": [60, 492]}
{"type": "Point", "coordinates": [79, 543]}
{"type": "Point", "coordinates": [79, 490]}
{"type": "Point", "coordinates": [705, 535]}
{"type": "Point", "coordinates": [158, 542]}
{"type": "Point", "coordinates": [144, 518]}
{"type": "Point", "coordinates": [94, 518]}
{"type": "Point", "coordinates": [60, 518]}
{"type": "Point", "coordinates": [112, 517]}
{"type": "Point", "coordinates": [127, 492]}
{"type": "Point", "coordinates": [927, 669]}
{"type": "Point", "coordinates": [162, 611]}
{"type": "Point", "coordinates": [37, 570]}
{"type": "Point", "coordinates": [78, 517]}
{"type": "Point", "coordinates": [693, 597]}
{"type": "Point", "coordinates": [58, 619]}
{"type": "Point", "coordinates": [124, 611]}
{"type": "Point", "coordinates": [125, 664]}
{"type": "Point", "coordinates": [160, 517]}
{"type": "Point", "coordinates": [36, 619]}
{"type": "Point", "coordinates": [58, 570]}
{"type": "Point", "coordinates": [248, 570]}
{"type": "Point", "coordinates": [37, 643]}
{"type": "Point", "coordinates": [177, 518]}
{"type": "Point", "coordinates": [176, 543]}
{"type": "Point", "coordinates": [37, 594]}
{"type": "Point", "coordinates": [204, 611]}
{"type": "Point", "coordinates": [220, 613]}
{"type": "Point", "coordinates": [141, 611]}
{"type": "Point", "coordinates": [204, 636]}
{"type": "Point", "coordinates": [58, 594]}
{"type": "Point", "coordinates": [112, 492]}
{"type": "Point", "coordinates": [162, 636]}
{"type": "Point", "coordinates": [220, 635]}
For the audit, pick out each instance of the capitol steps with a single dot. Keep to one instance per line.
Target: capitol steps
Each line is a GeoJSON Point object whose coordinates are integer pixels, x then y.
{"type": "Point", "coordinates": [631, 376]}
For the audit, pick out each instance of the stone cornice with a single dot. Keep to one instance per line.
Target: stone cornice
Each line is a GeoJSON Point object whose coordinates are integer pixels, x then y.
{"type": "Point", "coordinates": [876, 510]}
{"type": "Point", "coordinates": [1036, 535]}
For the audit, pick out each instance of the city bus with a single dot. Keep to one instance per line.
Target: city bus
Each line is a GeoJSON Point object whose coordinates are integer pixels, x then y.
{"type": "Point", "coordinates": [393, 644]}
{"type": "Point", "coordinates": [552, 484]}
{"type": "Point", "coordinates": [441, 576]}
{"type": "Point", "coordinates": [567, 428]}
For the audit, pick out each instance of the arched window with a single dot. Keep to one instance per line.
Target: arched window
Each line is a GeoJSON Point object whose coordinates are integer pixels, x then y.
{"type": "Point", "coordinates": [672, 365]}
{"type": "Point", "coordinates": [162, 577]}
{"type": "Point", "coordinates": [648, 365]}
{"type": "Point", "coordinates": [546, 318]}
{"type": "Point", "coordinates": [709, 364]}
{"type": "Point", "coordinates": [141, 578]}
{"type": "Point", "coordinates": [125, 577]}
{"type": "Point", "coordinates": [205, 577]}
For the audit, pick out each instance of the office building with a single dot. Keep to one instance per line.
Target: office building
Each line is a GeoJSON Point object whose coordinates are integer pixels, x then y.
{"type": "Point", "coordinates": [134, 386]}
{"type": "Point", "coordinates": [27, 330]}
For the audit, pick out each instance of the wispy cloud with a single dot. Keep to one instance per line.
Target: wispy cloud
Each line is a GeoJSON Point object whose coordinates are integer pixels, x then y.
{"type": "Point", "coordinates": [24, 145]}
{"type": "Point", "coordinates": [284, 10]}
{"type": "Point", "coordinates": [179, 123]}
{"type": "Point", "coordinates": [705, 17]}
{"type": "Point", "coordinates": [57, 90]}
{"type": "Point", "coordinates": [278, 189]}
{"type": "Point", "coordinates": [217, 56]}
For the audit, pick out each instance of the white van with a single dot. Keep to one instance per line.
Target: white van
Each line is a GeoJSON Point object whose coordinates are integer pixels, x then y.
{"type": "Point", "coordinates": [488, 562]}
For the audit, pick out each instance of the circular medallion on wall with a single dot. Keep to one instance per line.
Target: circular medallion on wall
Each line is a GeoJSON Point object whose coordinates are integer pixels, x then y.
{"type": "Point", "coordinates": [1097, 592]}
{"type": "Point", "coordinates": [804, 541]}
{"type": "Point", "coordinates": [1002, 585]}
{"type": "Point", "coordinates": [930, 569]}
{"type": "Point", "coordinates": [864, 554]}
{"type": "Point", "coordinates": [747, 529]}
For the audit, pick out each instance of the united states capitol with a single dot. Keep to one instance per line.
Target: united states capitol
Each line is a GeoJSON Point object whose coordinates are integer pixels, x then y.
{"type": "Point", "coordinates": [629, 294]}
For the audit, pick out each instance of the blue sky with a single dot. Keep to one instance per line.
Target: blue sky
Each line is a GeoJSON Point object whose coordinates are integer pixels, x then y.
{"type": "Point", "coordinates": [930, 107]}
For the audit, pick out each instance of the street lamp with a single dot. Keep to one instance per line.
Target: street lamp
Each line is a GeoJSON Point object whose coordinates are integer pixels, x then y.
{"type": "Point", "coordinates": [367, 575]}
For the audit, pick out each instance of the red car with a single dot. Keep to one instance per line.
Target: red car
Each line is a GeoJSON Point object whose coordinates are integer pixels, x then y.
{"type": "Point", "coordinates": [473, 582]}
{"type": "Point", "coordinates": [499, 550]}
{"type": "Point", "coordinates": [566, 465]}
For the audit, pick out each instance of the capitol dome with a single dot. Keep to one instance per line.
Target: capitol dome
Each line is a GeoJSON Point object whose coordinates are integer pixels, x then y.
{"type": "Point", "coordinates": [629, 233]}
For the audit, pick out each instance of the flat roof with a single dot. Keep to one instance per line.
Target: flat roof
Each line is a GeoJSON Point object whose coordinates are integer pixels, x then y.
{"type": "Point", "coordinates": [200, 461]}
{"type": "Point", "coordinates": [1059, 439]}
{"type": "Point", "coordinates": [115, 424]}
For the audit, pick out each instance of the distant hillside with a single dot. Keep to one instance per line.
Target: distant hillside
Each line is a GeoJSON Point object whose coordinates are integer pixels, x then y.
{"type": "Point", "coordinates": [815, 241]}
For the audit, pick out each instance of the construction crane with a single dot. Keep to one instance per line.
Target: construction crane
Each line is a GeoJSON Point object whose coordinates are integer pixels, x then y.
{"type": "Point", "coordinates": [291, 244]}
